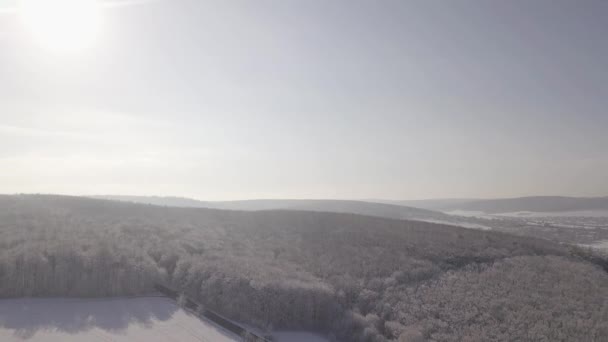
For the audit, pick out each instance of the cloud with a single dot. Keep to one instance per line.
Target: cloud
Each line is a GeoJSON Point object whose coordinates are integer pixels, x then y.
{"type": "Point", "coordinates": [31, 132]}
{"type": "Point", "coordinates": [123, 3]}
{"type": "Point", "coordinates": [13, 8]}
{"type": "Point", "coordinates": [8, 6]}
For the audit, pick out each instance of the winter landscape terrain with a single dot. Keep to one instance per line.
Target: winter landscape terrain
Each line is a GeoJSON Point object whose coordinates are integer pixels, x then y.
{"type": "Point", "coordinates": [154, 319]}
{"type": "Point", "coordinates": [345, 276]}
{"type": "Point", "coordinates": [140, 319]}
{"type": "Point", "coordinates": [303, 171]}
{"type": "Point", "coordinates": [569, 220]}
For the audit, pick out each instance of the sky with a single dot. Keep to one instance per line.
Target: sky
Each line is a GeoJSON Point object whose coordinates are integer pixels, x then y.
{"type": "Point", "coordinates": [350, 99]}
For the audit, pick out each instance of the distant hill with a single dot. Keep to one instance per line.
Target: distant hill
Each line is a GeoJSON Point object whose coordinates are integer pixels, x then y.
{"type": "Point", "coordinates": [430, 204]}
{"type": "Point", "coordinates": [339, 206]}
{"type": "Point", "coordinates": [538, 204]}
{"type": "Point", "coordinates": [168, 201]}
{"type": "Point", "coordinates": [510, 205]}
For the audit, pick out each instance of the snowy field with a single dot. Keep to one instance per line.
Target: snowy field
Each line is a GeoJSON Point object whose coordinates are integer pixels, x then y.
{"type": "Point", "coordinates": [150, 319]}
{"type": "Point", "coordinates": [581, 213]}
{"type": "Point", "coordinates": [522, 214]}
{"type": "Point", "coordinates": [601, 245]}
{"type": "Point", "coordinates": [287, 336]}
{"type": "Point", "coordinates": [143, 319]}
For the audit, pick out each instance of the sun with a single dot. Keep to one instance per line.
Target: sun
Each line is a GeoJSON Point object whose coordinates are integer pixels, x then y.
{"type": "Point", "coordinates": [62, 25]}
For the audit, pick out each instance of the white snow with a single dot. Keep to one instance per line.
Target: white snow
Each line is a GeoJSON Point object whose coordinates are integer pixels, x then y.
{"type": "Point", "coordinates": [580, 213]}
{"type": "Point", "coordinates": [294, 336]}
{"type": "Point", "coordinates": [143, 319]}
{"type": "Point", "coordinates": [460, 224]}
{"type": "Point", "coordinates": [481, 214]}
{"type": "Point", "coordinates": [601, 245]}
{"type": "Point", "coordinates": [467, 213]}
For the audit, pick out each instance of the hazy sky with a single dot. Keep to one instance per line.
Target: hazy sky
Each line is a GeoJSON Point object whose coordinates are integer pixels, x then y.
{"type": "Point", "coordinates": [312, 99]}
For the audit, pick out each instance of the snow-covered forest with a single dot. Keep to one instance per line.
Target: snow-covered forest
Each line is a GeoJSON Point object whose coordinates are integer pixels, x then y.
{"type": "Point", "coordinates": [352, 277]}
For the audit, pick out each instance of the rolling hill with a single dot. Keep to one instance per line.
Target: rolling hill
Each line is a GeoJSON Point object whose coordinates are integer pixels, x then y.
{"type": "Point", "coordinates": [341, 206]}
{"type": "Point", "coordinates": [353, 277]}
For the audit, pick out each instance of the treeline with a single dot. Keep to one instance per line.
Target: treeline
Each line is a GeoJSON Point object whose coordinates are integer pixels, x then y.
{"type": "Point", "coordinates": [356, 278]}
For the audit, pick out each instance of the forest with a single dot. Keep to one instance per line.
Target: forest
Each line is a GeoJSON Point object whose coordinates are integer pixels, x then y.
{"type": "Point", "coordinates": [351, 277]}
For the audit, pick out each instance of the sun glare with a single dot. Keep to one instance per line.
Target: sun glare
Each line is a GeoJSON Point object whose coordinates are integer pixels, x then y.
{"type": "Point", "coordinates": [62, 25]}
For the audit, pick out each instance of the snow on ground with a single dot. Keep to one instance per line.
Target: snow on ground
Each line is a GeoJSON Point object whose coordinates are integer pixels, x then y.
{"type": "Point", "coordinates": [580, 213]}
{"type": "Point", "coordinates": [143, 319]}
{"type": "Point", "coordinates": [601, 245]}
{"type": "Point", "coordinates": [468, 213]}
{"type": "Point", "coordinates": [461, 224]}
{"type": "Point", "coordinates": [519, 214]}
{"type": "Point", "coordinates": [291, 336]}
